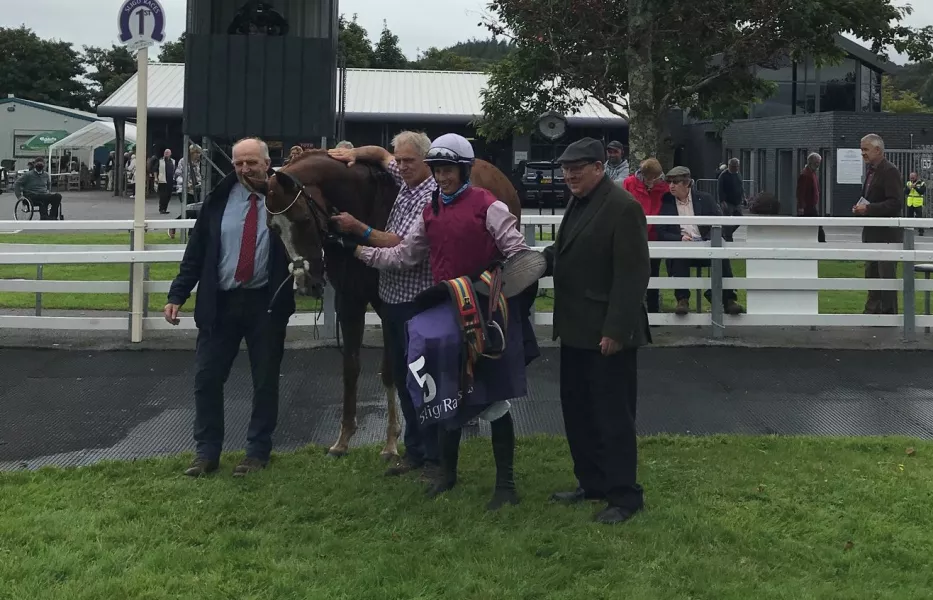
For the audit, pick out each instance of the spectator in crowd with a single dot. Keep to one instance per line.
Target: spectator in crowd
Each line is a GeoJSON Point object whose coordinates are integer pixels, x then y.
{"type": "Point", "coordinates": [808, 191]}
{"type": "Point", "coordinates": [152, 168]}
{"type": "Point", "coordinates": [345, 145]}
{"type": "Point", "coordinates": [165, 179]}
{"type": "Point", "coordinates": [915, 189]}
{"type": "Point", "coordinates": [684, 201]}
{"type": "Point", "coordinates": [191, 164]}
{"type": "Point", "coordinates": [616, 165]}
{"type": "Point", "coordinates": [648, 187]}
{"type": "Point", "coordinates": [294, 153]}
{"type": "Point", "coordinates": [731, 195]}
{"type": "Point", "coordinates": [36, 184]}
{"type": "Point", "coordinates": [765, 203]}
{"type": "Point", "coordinates": [131, 173]}
{"type": "Point", "coordinates": [399, 288]}
{"type": "Point", "coordinates": [111, 171]}
{"type": "Point", "coordinates": [601, 269]}
{"type": "Point", "coordinates": [882, 196]}
{"type": "Point", "coordinates": [237, 265]}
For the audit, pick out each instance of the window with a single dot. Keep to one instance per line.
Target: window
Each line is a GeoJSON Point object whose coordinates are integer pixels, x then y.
{"type": "Point", "coordinates": [837, 87]}
{"type": "Point", "coordinates": [779, 104]}
{"type": "Point", "coordinates": [761, 169]}
{"type": "Point", "coordinates": [806, 87]}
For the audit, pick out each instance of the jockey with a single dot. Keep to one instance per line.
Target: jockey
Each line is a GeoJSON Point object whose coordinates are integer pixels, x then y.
{"type": "Point", "coordinates": [464, 230]}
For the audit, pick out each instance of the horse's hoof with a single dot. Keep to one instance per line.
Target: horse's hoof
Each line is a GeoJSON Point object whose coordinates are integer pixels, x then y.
{"type": "Point", "coordinates": [387, 456]}
{"type": "Point", "coordinates": [335, 453]}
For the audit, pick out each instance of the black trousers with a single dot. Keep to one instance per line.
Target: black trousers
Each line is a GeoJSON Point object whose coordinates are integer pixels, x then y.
{"type": "Point", "coordinates": [653, 297]}
{"type": "Point", "coordinates": [240, 314]}
{"type": "Point", "coordinates": [165, 195]}
{"type": "Point", "coordinates": [49, 205]}
{"type": "Point", "coordinates": [680, 267]}
{"type": "Point", "coordinates": [421, 443]}
{"type": "Point", "coordinates": [598, 395]}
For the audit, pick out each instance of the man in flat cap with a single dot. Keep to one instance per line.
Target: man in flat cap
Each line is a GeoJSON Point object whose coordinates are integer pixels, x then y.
{"type": "Point", "coordinates": [616, 166]}
{"type": "Point", "coordinates": [601, 269]}
{"type": "Point", "coordinates": [684, 201]}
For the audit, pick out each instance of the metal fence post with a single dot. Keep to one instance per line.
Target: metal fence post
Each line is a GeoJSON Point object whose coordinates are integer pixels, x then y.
{"type": "Point", "coordinates": [39, 294]}
{"type": "Point", "coordinates": [910, 309]}
{"type": "Point", "coordinates": [715, 273]}
{"type": "Point", "coordinates": [129, 313]}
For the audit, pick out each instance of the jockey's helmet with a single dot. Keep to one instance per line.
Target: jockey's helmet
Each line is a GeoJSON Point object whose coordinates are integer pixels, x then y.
{"type": "Point", "coordinates": [451, 149]}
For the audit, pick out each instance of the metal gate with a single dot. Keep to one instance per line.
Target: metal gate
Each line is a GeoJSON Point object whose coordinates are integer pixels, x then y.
{"type": "Point", "coordinates": [919, 161]}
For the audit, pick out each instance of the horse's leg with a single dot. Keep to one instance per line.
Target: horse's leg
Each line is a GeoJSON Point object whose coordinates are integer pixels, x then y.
{"type": "Point", "coordinates": [351, 323]}
{"type": "Point", "coordinates": [393, 428]}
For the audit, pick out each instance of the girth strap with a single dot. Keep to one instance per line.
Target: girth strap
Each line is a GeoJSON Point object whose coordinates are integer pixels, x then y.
{"type": "Point", "coordinates": [480, 337]}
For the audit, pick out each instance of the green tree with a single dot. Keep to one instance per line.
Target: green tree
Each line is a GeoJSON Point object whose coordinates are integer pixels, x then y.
{"type": "Point", "coordinates": [112, 67]}
{"type": "Point", "coordinates": [899, 101]}
{"type": "Point", "coordinates": [435, 59]}
{"type": "Point", "coordinates": [353, 44]}
{"type": "Point", "coordinates": [173, 52]}
{"type": "Point", "coordinates": [42, 70]}
{"type": "Point", "coordinates": [641, 58]}
{"type": "Point", "coordinates": [916, 77]}
{"type": "Point", "coordinates": [387, 54]}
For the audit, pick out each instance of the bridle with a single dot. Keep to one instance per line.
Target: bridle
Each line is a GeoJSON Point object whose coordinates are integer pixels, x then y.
{"type": "Point", "coordinates": [321, 211]}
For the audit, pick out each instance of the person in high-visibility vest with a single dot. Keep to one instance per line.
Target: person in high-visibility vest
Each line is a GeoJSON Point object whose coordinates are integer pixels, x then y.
{"type": "Point", "coordinates": [914, 192]}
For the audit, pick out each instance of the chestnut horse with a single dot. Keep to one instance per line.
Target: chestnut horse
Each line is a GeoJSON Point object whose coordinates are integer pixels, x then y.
{"type": "Point", "coordinates": [300, 199]}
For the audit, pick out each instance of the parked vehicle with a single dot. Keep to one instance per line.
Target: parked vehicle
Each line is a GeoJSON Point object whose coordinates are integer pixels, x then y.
{"type": "Point", "coordinates": [543, 185]}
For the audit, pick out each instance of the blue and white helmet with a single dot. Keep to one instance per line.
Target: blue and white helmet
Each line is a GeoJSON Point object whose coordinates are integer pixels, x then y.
{"type": "Point", "coordinates": [450, 149]}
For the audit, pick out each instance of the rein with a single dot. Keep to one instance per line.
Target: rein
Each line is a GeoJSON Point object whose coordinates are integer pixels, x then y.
{"type": "Point", "coordinates": [299, 265]}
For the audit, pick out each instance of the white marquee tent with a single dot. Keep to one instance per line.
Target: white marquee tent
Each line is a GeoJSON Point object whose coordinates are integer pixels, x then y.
{"type": "Point", "coordinates": [91, 137]}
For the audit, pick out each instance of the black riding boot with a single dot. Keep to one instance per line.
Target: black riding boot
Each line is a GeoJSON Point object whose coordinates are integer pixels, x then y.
{"type": "Point", "coordinates": [503, 450]}
{"type": "Point", "coordinates": [449, 448]}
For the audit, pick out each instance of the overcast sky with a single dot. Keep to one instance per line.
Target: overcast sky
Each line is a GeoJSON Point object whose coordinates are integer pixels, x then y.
{"type": "Point", "coordinates": [419, 24]}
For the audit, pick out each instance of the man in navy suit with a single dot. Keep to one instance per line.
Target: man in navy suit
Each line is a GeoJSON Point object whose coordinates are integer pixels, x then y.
{"type": "Point", "coordinates": [685, 201]}
{"type": "Point", "coordinates": [237, 265]}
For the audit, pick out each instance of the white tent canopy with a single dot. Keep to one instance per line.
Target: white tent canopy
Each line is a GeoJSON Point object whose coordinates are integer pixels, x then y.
{"type": "Point", "coordinates": [91, 137]}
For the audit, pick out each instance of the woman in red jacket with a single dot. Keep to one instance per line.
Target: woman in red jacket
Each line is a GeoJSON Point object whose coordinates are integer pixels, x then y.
{"type": "Point", "coordinates": [648, 188]}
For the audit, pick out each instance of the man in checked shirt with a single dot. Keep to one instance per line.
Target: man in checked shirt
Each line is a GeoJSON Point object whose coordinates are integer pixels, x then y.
{"type": "Point", "coordinates": [399, 288]}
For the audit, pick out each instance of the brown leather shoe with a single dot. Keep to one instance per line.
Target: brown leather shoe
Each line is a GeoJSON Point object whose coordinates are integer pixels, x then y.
{"type": "Point", "coordinates": [201, 466]}
{"type": "Point", "coordinates": [249, 465]}
{"type": "Point", "coordinates": [683, 307]}
{"type": "Point", "coordinates": [733, 308]}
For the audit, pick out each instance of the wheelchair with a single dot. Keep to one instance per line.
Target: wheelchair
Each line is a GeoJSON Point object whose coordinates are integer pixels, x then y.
{"type": "Point", "coordinates": [26, 208]}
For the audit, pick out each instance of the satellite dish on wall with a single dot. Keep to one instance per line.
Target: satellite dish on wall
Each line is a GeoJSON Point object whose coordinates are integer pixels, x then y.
{"type": "Point", "coordinates": [552, 126]}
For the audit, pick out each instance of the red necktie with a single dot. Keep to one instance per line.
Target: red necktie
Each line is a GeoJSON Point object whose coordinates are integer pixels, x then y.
{"type": "Point", "coordinates": [244, 268]}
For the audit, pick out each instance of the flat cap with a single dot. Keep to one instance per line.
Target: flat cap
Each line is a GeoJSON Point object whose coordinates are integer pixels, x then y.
{"type": "Point", "coordinates": [678, 172]}
{"type": "Point", "coordinates": [615, 144]}
{"type": "Point", "coordinates": [587, 149]}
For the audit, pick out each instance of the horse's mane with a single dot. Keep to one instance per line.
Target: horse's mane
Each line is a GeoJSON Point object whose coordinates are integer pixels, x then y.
{"type": "Point", "coordinates": [319, 152]}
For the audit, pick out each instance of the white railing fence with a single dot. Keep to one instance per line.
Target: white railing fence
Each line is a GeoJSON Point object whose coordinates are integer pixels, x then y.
{"type": "Point", "coordinates": [781, 254]}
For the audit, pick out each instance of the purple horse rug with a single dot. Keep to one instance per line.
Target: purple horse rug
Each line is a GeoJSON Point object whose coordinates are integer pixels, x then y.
{"type": "Point", "coordinates": [435, 358]}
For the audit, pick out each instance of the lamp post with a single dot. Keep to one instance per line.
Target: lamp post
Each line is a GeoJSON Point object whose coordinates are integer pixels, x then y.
{"type": "Point", "coordinates": [552, 126]}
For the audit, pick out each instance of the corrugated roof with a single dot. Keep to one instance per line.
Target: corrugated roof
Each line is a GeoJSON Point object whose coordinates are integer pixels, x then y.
{"type": "Point", "coordinates": [371, 94]}
{"type": "Point", "coordinates": [166, 92]}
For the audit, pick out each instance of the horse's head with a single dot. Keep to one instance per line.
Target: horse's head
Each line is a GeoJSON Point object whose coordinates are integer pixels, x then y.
{"type": "Point", "coordinates": [298, 213]}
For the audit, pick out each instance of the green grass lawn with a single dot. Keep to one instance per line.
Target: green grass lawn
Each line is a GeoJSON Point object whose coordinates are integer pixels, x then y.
{"type": "Point", "coordinates": [831, 302]}
{"type": "Point", "coordinates": [727, 517]}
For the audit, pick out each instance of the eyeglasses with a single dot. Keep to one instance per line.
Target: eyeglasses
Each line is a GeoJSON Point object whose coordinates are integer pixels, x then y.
{"type": "Point", "coordinates": [574, 169]}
